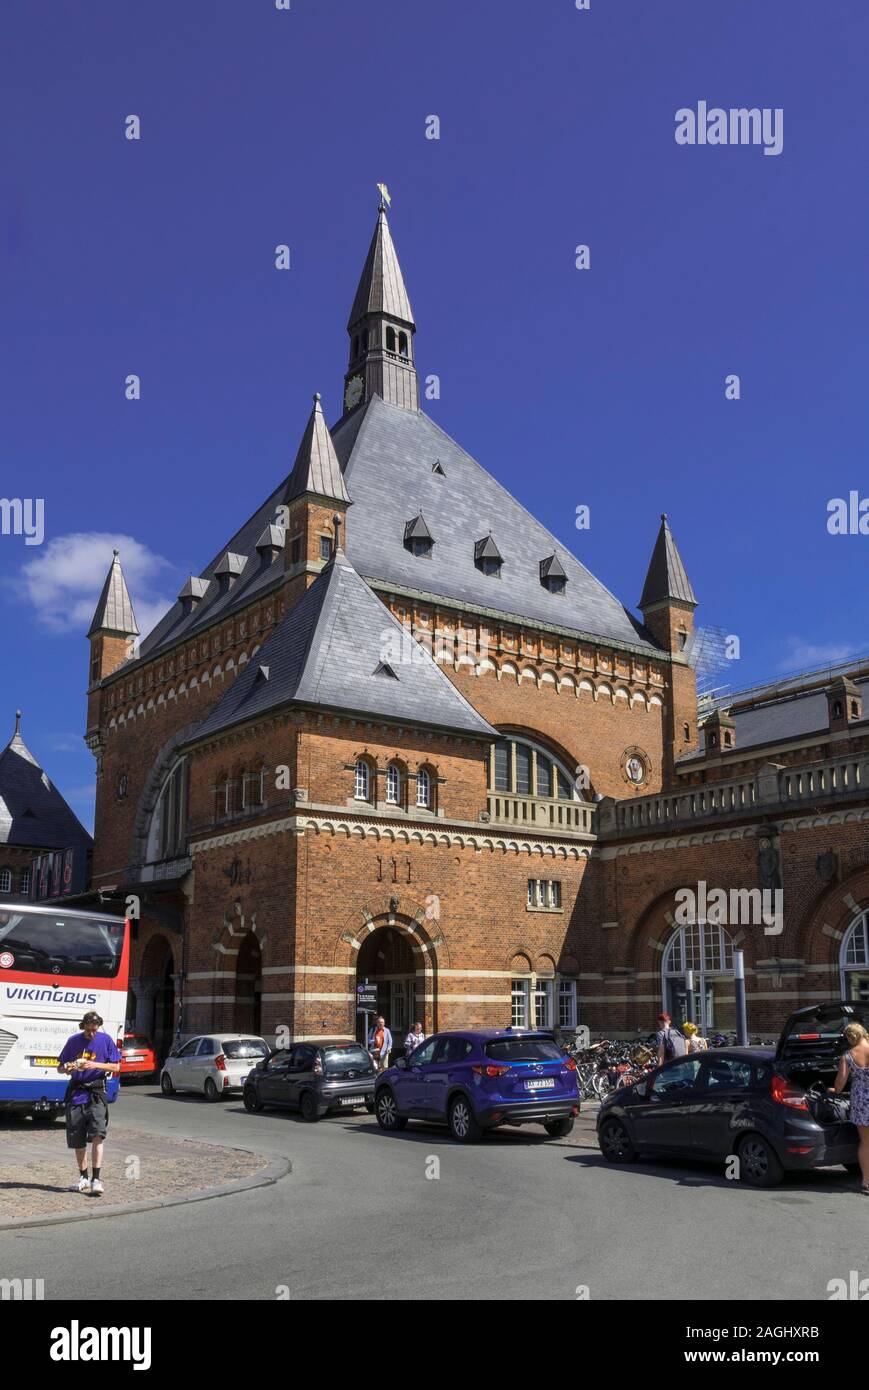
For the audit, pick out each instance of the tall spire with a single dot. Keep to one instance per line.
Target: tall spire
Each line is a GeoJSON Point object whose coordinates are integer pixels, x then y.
{"type": "Point", "coordinates": [667, 579]}
{"type": "Point", "coordinates": [316, 469]}
{"type": "Point", "coordinates": [381, 327]}
{"type": "Point", "coordinates": [114, 611]}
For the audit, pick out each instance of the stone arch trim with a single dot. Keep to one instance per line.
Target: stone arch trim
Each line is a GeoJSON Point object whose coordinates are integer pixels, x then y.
{"type": "Point", "coordinates": [430, 947]}
{"type": "Point", "coordinates": [151, 790]}
{"type": "Point", "coordinates": [234, 927]}
{"type": "Point", "coordinates": [824, 926]}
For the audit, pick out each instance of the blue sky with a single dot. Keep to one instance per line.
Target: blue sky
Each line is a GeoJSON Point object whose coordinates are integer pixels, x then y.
{"type": "Point", "coordinates": [602, 387]}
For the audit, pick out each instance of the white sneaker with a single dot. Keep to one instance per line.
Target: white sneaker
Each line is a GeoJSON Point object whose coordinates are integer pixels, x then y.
{"type": "Point", "coordinates": [96, 1188]}
{"type": "Point", "coordinates": [83, 1185]}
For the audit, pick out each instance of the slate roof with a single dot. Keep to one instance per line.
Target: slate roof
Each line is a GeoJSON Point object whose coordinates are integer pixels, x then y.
{"type": "Point", "coordinates": [32, 811]}
{"type": "Point", "coordinates": [114, 611]}
{"type": "Point", "coordinates": [381, 286]}
{"type": "Point", "coordinates": [666, 577]}
{"type": "Point", "coordinates": [388, 456]}
{"type": "Point", "coordinates": [792, 716]}
{"type": "Point", "coordinates": [329, 652]}
{"type": "Point", "coordinates": [316, 468]}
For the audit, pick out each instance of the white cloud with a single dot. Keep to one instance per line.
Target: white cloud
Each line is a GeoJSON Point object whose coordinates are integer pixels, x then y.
{"type": "Point", "coordinates": [804, 656]}
{"type": "Point", "coordinates": [64, 580]}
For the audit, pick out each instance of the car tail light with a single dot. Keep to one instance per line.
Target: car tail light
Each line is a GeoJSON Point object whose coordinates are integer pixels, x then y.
{"type": "Point", "coordinates": [783, 1093]}
{"type": "Point", "coordinates": [220, 1062]}
{"type": "Point", "coordinates": [799, 1148]}
{"type": "Point", "coordinates": [570, 1064]}
{"type": "Point", "coordinates": [490, 1070]}
{"type": "Point", "coordinates": [317, 1068]}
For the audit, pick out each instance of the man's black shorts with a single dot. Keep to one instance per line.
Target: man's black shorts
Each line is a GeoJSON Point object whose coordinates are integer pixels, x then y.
{"type": "Point", "coordinates": [87, 1121]}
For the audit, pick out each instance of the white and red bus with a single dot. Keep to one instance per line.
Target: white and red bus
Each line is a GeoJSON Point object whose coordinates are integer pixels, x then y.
{"type": "Point", "coordinates": [55, 965]}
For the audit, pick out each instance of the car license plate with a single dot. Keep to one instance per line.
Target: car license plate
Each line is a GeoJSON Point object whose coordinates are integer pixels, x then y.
{"type": "Point", "coordinates": [352, 1100]}
{"type": "Point", "coordinates": [43, 1061]}
{"type": "Point", "coordinates": [545, 1084]}
{"type": "Point", "coordinates": [133, 1057]}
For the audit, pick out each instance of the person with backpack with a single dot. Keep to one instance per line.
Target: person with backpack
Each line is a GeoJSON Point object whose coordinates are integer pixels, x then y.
{"type": "Point", "coordinates": [670, 1041]}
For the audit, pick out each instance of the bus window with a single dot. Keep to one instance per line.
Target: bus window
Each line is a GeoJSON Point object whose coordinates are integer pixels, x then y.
{"type": "Point", "coordinates": [50, 943]}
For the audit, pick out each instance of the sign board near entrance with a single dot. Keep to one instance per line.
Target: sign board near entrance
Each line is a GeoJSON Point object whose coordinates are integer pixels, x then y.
{"type": "Point", "coordinates": [366, 998]}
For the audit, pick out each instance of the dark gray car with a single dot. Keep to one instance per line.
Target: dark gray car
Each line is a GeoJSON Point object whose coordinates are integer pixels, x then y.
{"type": "Point", "coordinates": [313, 1078]}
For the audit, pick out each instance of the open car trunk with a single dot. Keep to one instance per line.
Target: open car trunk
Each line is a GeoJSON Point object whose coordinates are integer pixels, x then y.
{"type": "Point", "coordinates": [812, 1043]}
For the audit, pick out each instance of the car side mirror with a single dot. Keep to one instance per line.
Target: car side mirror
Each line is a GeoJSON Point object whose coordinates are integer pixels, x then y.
{"type": "Point", "coordinates": [401, 1063]}
{"type": "Point", "coordinates": [261, 1066]}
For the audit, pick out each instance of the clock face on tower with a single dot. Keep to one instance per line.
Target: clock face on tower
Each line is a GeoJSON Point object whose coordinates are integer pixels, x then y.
{"type": "Point", "coordinates": [353, 392]}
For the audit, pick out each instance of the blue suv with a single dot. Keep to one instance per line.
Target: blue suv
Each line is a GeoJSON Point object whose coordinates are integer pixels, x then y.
{"type": "Point", "coordinates": [475, 1080]}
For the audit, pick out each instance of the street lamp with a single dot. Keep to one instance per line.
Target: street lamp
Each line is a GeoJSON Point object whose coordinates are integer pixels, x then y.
{"type": "Point", "coordinates": [739, 990]}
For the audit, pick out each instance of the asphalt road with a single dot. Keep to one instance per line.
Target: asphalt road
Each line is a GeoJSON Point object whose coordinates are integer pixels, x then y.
{"type": "Point", "coordinates": [516, 1216]}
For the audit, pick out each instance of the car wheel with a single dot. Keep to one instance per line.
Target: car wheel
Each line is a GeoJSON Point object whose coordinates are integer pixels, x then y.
{"type": "Point", "coordinates": [559, 1129]}
{"type": "Point", "coordinates": [386, 1110]}
{"type": "Point", "coordinates": [211, 1091]}
{"type": "Point", "coordinates": [615, 1143]}
{"type": "Point", "coordinates": [758, 1162]}
{"type": "Point", "coordinates": [166, 1084]}
{"type": "Point", "coordinates": [252, 1102]}
{"type": "Point", "coordinates": [463, 1121]}
{"type": "Point", "coordinates": [308, 1107]}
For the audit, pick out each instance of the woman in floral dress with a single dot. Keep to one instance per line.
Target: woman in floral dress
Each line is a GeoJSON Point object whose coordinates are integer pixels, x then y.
{"type": "Point", "coordinates": [855, 1064]}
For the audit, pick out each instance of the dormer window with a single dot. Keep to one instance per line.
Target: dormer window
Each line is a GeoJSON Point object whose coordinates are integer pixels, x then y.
{"type": "Point", "coordinates": [552, 575]}
{"type": "Point", "coordinates": [487, 556]}
{"type": "Point", "coordinates": [418, 538]}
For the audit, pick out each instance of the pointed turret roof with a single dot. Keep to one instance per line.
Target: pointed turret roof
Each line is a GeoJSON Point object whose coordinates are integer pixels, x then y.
{"type": "Point", "coordinates": [32, 811]}
{"type": "Point", "coordinates": [381, 288]}
{"type": "Point", "coordinates": [666, 578]}
{"type": "Point", "coordinates": [114, 611]}
{"type": "Point", "coordinates": [316, 468]}
{"type": "Point", "coordinates": [331, 651]}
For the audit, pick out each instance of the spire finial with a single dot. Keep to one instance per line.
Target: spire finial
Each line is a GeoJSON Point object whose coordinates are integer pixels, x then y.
{"type": "Point", "coordinates": [385, 199]}
{"type": "Point", "coordinates": [116, 553]}
{"type": "Point", "coordinates": [336, 522]}
{"type": "Point", "coordinates": [317, 398]}
{"type": "Point", "coordinates": [18, 723]}
{"type": "Point", "coordinates": [663, 516]}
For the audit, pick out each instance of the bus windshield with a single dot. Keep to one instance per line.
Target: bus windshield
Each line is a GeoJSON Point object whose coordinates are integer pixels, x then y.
{"type": "Point", "coordinates": [49, 943]}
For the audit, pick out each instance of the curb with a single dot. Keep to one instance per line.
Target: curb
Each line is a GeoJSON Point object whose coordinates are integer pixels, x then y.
{"type": "Point", "coordinates": [272, 1173]}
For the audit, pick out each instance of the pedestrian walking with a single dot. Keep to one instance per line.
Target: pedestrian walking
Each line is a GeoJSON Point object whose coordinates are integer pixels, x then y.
{"type": "Point", "coordinates": [694, 1042]}
{"type": "Point", "coordinates": [669, 1040]}
{"type": "Point", "coordinates": [380, 1043]}
{"type": "Point", "coordinates": [88, 1058]}
{"type": "Point", "coordinates": [855, 1064]}
{"type": "Point", "coordinates": [413, 1039]}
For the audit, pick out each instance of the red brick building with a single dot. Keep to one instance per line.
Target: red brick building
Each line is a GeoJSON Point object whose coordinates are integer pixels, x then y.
{"type": "Point", "coordinates": [395, 731]}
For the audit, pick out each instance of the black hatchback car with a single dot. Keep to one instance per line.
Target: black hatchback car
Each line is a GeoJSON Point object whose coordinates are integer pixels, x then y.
{"type": "Point", "coordinates": [313, 1078]}
{"type": "Point", "coordinates": [762, 1105]}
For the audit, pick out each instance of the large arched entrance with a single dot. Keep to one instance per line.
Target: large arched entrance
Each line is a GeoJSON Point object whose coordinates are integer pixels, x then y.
{"type": "Point", "coordinates": [707, 950]}
{"type": "Point", "coordinates": [248, 986]}
{"type": "Point", "coordinates": [386, 959]}
{"type": "Point", "coordinates": [155, 995]}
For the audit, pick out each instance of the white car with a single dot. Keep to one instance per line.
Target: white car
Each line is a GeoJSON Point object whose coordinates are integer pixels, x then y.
{"type": "Point", "coordinates": [214, 1064]}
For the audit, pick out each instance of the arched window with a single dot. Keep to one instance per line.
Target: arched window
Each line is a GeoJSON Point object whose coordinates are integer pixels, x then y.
{"type": "Point", "coordinates": [25, 882]}
{"type": "Point", "coordinates": [5, 880]}
{"type": "Point", "coordinates": [855, 961]}
{"type": "Point", "coordinates": [241, 789]}
{"type": "Point", "coordinates": [256, 788]}
{"type": "Point", "coordinates": [393, 785]}
{"type": "Point", "coordinates": [423, 788]}
{"type": "Point", "coordinates": [167, 836]}
{"type": "Point", "coordinates": [362, 785]}
{"type": "Point", "coordinates": [222, 798]}
{"type": "Point", "coordinates": [707, 950]}
{"type": "Point", "coordinates": [390, 340]}
{"type": "Point", "coordinates": [402, 344]}
{"type": "Point", "coordinates": [524, 768]}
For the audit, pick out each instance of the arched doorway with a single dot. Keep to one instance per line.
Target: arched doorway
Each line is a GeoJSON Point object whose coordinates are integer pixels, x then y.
{"type": "Point", "coordinates": [155, 995]}
{"type": "Point", "coordinates": [387, 960]}
{"type": "Point", "coordinates": [708, 951]}
{"type": "Point", "coordinates": [248, 987]}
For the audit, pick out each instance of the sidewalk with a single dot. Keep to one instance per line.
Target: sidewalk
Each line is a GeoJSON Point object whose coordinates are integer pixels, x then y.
{"type": "Point", "coordinates": [36, 1169]}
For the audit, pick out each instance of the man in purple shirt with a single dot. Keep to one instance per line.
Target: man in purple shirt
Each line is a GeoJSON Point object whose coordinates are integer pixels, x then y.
{"type": "Point", "coordinates": [88, 1058]}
